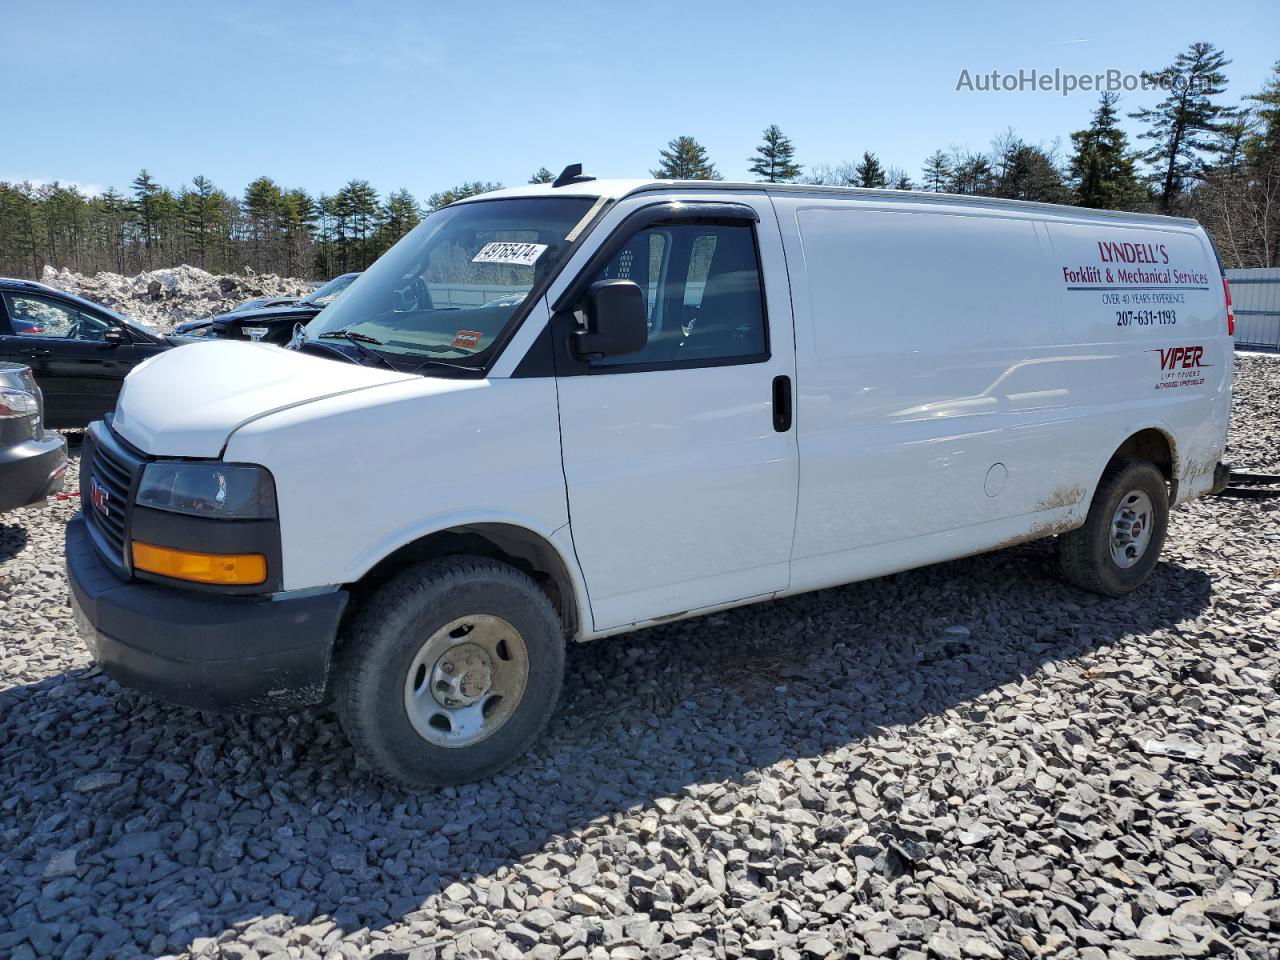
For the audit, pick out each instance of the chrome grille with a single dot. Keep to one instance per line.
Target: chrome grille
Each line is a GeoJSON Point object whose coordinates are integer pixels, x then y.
{"type": "Point", "coordinates": [108, 473]}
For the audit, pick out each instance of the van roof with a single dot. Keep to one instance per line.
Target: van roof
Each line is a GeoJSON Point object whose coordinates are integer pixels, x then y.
{"type": "Point", "coordinates": [617, 189]}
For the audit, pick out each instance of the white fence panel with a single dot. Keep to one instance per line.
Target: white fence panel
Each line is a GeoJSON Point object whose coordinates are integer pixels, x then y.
{"type": "Point", "coordinates": [1255, 294]}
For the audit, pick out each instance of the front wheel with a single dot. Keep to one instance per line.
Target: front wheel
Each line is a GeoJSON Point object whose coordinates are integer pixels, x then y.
{"type": "Point", "coordinates": [451, 671]}
{"type": "Point", "coordinates": [1119, 544]}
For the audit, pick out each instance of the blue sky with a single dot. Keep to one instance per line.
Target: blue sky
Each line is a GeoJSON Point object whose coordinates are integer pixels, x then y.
{"type": "Point", "coordinates": [425, 95]}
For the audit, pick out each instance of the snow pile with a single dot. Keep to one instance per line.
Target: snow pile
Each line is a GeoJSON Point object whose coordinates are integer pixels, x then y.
{"type": "Point", "coordinates": [164, 298]}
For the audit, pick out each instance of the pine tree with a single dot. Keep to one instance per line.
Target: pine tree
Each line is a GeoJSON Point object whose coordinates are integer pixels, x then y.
{"type": "Point", "coordinates": [200, 214]}
{"type": "Point", "coordinates": [1101, 166]}
{"type": "Point", "coordinates": [358, 206]}
{"type": "Point", "coordinates": [1230, 139]}
{"type": "Point", "coordinates": [112, 210]}
{"type": "Point", "coordinates": [297, 221]}
{"type": "Point", "coordinates": [869, 173]}
{"type": "Point", "coordinates": [1025, 172]}
{"type": "Point", "coordinates": [460, 192]}
{"type": "Point", "coordinates": [144, 210]}
{"type": "Point", "coordinates": [263, 207]}
{"type": "Point", "coordinates": [774, 161]}
{"type": "Point", "coordinates": [936, 172]}
{"type": "Point", "coordinates": [400, 214]}
{"type": "Point", "coordinates": [169, 233]}
{"type": "Point", "coordinates": [1182, 124]}
{"type": "Point", "coordinates": [685, 159]}
{"type": "Point", "coordinates": [1238, 200]}
{"type": "Point", "coordinates": [971, 174]}
{"type": "Point", "coordinates": [63, 208]}
{"type": "Point", "coordinates": [1266, 137]}
{"type": "Point", "coordinates": [326, 256]}
{"type": "Point", "coordinates": [896, 178]}
{"type": "Point", "coordinates": [542, 176]}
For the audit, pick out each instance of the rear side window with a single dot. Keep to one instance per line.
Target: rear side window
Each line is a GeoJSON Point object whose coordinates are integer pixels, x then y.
{"type": "Point", "coordinates": [703, 291]}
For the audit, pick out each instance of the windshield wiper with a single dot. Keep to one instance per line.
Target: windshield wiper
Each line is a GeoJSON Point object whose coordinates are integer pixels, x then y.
{"type": "Point", "coordinates": [433, 347]}
{"type": "Point", "coordinates": [350, 335]}
{"type": "Point", "coordinates": [358, 340]}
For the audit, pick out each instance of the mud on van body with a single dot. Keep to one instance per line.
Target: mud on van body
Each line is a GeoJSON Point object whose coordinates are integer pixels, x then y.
{"type": "Point", "coordinates": [555, 413]}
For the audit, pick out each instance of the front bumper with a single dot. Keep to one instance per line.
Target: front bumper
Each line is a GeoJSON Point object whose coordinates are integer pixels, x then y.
{"type": "Point", "coordinates": [212, 652]}
{"type": "Point", "coordinates": [32, 470]}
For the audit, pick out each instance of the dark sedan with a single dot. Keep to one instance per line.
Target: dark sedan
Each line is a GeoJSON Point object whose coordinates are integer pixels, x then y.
{"type": "Point", "coordinates": [275, 324]}
{"type": "Point", "coordinates": [200, 328]}
{"type": "Point", "coordinates": [79, 351]}
{"type": "Point", "coordinates": [32, 459]}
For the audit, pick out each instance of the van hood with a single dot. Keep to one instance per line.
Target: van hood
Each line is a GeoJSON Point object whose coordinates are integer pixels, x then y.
{"type": "Point", "coordinates": [186, 402]}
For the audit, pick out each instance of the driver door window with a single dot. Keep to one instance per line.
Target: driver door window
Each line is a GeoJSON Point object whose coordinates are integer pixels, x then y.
{"type": "Point", "coordinates": [35, 316]}
{"type": "Point", "coordinates": [702, 287]}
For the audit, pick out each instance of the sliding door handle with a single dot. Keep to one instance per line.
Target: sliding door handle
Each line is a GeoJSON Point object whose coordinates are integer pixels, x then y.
{"type": "Point", "coordinates": [782, 404]}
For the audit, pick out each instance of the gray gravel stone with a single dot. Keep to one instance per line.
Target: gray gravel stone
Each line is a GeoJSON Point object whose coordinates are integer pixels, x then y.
{"type": "Point", "coordinates": [968, 760]}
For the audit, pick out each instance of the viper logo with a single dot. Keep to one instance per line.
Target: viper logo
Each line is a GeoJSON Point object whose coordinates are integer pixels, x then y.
{"type": "Point", "coordinates": [98, 496]}
{"type": "Point", "coordinates": [1186, 357]}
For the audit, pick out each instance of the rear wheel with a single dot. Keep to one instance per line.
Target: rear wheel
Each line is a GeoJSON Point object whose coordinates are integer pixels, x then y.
{"type": "Point", "coordinates": [450, 672]}
{"type": "Point", "coordinates": [1119, 544]}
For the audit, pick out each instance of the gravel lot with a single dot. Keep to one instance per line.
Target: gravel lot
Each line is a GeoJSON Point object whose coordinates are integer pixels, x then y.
{"type": "Point", "coordinates": [970, 760]}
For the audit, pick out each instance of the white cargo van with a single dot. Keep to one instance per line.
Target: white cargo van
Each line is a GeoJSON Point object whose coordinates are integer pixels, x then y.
{"type": "Point", "coordinates": [559, 412]}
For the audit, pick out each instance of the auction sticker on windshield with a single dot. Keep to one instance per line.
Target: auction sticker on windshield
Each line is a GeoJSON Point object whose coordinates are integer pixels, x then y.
{"type": "Point", "coordinates": [521, 254]}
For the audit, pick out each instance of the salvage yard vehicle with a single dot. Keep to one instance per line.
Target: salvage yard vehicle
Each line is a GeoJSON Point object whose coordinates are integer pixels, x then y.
{"type": "Point", "coordinates": [78, 350]}
{"type": "Point", "coordinates": [688, 396]}
{"type": "Point", "coordinates": [33, 460]}
{"type": "Point", "coordinates": [273, 321]}
{"type": "Point", "coordinates": [200, 327]}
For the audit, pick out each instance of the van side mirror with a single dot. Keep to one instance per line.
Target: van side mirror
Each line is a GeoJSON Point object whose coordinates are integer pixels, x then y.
{"type": "Point", "coordinates": [617, 320]}
{"type": "Point", "coordinates": [115, 336]}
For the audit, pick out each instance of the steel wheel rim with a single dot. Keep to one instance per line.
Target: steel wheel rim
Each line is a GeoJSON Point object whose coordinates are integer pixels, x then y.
{"type": "Point", "coordinates": [1131, 528]}
{"type": "Point", "coordinates": [466, 680]}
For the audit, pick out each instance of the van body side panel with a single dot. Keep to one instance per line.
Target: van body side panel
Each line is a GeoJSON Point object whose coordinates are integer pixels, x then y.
{"type": "Point", "coordinates": [964, 375]}
{"type": "Point", "coordinates": [1146, 341]}
{"type": "Point", "coordinates": [366, 473]}
{"type": "Point", "coordinates": [930, 395]}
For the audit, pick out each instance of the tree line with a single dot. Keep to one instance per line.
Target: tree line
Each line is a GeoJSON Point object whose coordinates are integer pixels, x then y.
{"type": "Point", "coordinates": [1198, 156]}
{"type": "Point", "coordinates": [270, 229]}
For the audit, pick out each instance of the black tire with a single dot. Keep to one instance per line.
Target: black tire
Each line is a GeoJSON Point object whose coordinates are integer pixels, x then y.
{"type": "Point", "coordinates": [386, 637]}
{"type": "Point", "coordinates": [1086, 553]}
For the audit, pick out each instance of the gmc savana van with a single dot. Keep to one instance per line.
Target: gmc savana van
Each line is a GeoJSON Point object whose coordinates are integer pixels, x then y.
{"type": "Point", "coordinates": [560, 412]}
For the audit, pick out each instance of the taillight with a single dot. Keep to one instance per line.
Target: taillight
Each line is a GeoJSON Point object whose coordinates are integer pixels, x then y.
{"type": "Point", "coordinates": [1231, 312]}
{"type": "Point", "coordinates": [17, 403]}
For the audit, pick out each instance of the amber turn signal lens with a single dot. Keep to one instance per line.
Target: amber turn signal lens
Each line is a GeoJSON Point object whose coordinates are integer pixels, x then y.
{"type": "Point", "coordinates": [232, 569]}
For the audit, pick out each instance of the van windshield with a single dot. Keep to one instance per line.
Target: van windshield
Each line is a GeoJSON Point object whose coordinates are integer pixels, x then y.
{"type": "Point", "coordinates": [449, 288]}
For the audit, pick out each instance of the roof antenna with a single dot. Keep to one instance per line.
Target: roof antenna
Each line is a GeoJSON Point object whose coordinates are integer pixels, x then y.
{"type": "Point", "coordinates": [571, 174]}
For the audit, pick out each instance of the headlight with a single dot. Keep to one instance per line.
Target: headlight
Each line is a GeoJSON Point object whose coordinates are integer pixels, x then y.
{"type": "Point", "coordinates": [227, 491]}
{"type": "Point", "coordinates": [16, 403]}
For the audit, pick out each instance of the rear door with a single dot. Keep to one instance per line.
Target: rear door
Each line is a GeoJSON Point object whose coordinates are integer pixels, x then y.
{"type": "Point", "coordinates": [681, 481]}
{"type": "Point", "coordinates": [77, 368]}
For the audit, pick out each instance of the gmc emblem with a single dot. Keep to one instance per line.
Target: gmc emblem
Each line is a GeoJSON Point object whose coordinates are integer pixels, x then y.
{"type": "Point", "coordinates": [99, 495]}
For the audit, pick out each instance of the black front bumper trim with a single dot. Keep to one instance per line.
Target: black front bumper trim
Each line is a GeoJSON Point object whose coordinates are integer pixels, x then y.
{"type": "Point", "coordinates": [212, 652]}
